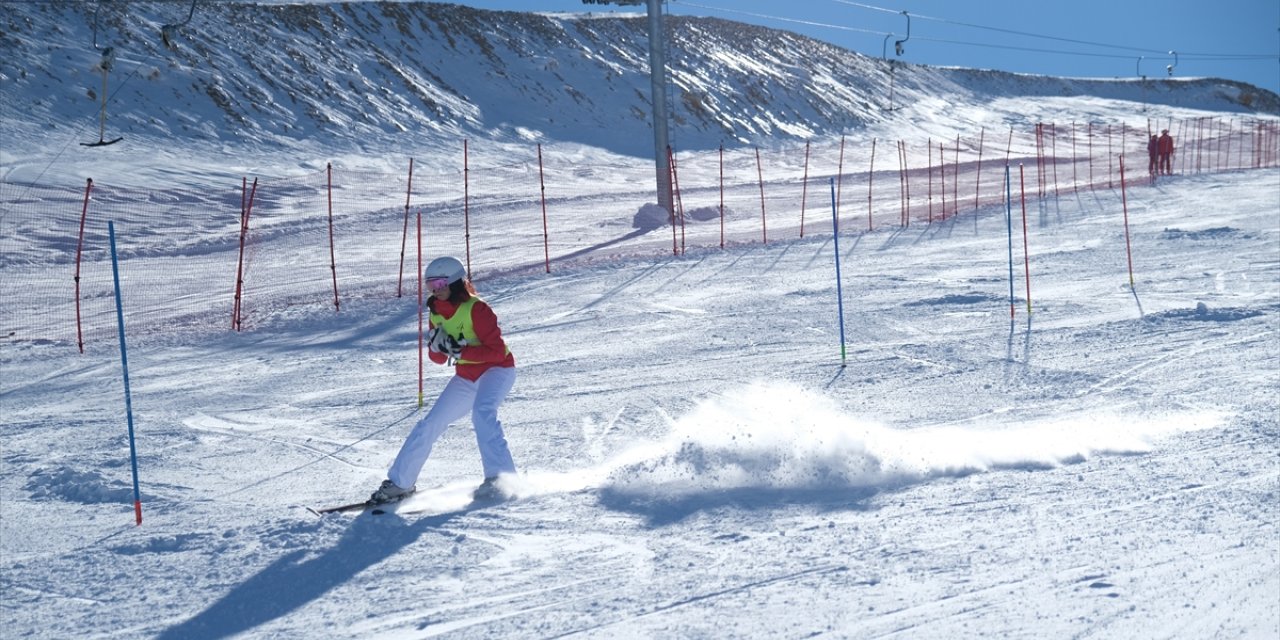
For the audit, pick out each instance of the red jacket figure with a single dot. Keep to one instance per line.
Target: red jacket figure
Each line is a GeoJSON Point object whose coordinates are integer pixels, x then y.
{"type": "Point", "coordinates": [1166, 152]}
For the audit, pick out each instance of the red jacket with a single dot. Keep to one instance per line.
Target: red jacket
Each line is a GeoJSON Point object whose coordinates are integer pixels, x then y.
{"type": "Point", "coordinates": [1166, 144]}
{"type": "Point", "coordinates": [491, 352]}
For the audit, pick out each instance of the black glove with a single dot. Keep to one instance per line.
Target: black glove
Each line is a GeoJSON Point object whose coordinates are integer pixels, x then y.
{"type": "Point", "coordinates": [439, 341]}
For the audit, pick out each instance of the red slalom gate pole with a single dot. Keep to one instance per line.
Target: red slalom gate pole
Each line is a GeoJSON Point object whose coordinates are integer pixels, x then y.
{"type": "Point", "coordinates": [677, 201]}
{"type": "Point", "coordinates": [977, 183]}
{"type": "Point", "coordinates": [955, 178]}
{"type": "Point", "coordinates": [804, 186]}
{"type": "Point", "coordinates": [466, 203]}
{"type": "Point", "coordinates": [722, 195]}
{"type": "Point", "coordinates": [902, 186]}
{"type": "Point", "coordinates": [906, 184]}
{"type": "Point", "coordinates": [333, 263]}
{"type": "Point", "coordinates": [871, 172]}
{"type": "Point", "coordinates": [84, 213]}
{"type": "Point", "coordinates": [404, 237]}
{"type": "Point", "coordinates": [764, 228]}
{"type": "Point", "coordinates": [1089, 138]}
{"type": "Point", "coordinates": [1075, 180]}
{"type": "Point", "coordinates": [942, 177]}
{"type": "Point", "coordinates": [246, 209]}
{"type": "Point", "coordinates": [1026, 257]}
{"type": "Point", "coordinates": [1111, 184]}
{"type": "Point", "coordinates": [928, 154]}
{"type": "Point", "coordinates": [1053, 154]}
{"type": "Point", "coordinates": [1124, 201]}
{"type": "Point", "coordinates": [546, 235]}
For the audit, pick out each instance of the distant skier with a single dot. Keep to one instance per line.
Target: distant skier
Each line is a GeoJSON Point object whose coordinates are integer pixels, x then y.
{"type": "Point", "coordinates": [1153, 156]}
{"type": "Point", "coordinates": [1166, 153]}
{"type": "Point", "coordinates": [464, 333]}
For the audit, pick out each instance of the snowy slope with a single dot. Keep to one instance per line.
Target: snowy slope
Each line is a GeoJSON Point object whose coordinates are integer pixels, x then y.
{"type": "Point", "coordinates": [695, 460]}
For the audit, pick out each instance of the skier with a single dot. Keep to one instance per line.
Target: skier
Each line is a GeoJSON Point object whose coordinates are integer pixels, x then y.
{"type": "Point", "coordinates": [1166, 152]}
{"type": "Point", "coordinates": [1153, 153]}
{"type": "Point", "coordinates": [464, 333]}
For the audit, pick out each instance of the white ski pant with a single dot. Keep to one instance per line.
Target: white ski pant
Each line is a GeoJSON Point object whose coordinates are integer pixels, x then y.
{"type": "Point", "coordinates": [461, 396]}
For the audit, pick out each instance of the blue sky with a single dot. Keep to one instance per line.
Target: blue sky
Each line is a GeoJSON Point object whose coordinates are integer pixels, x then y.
{"type": "Point", "coordinates": [1234, 39]}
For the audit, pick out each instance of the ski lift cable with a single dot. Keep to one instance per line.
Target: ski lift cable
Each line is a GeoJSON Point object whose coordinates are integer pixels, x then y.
{"type": "Point", "coordinates": [1046, 37]}
{"type": "Point", "coordinates": [812, 23]}
{"type": "Point", "coordinates": [1220, 57]}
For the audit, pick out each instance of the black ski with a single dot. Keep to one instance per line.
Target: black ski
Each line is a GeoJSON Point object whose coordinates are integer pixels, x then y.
{"type": "Point", "coordinates": [355, 506]}
{"type": "Point", "coordinates": [378, 508]}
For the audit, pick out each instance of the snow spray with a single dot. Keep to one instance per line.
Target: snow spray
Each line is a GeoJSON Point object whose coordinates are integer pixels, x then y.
{"type": "Point", "coordinates": [835, 232]}
{"type": "Point", "coordinates": [124, 364]}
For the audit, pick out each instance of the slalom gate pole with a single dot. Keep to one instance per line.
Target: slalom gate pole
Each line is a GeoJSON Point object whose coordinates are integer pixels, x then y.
{"type": "Point", "coordinates": [1089, 139]}
{"type": "Point", "coordinates": [928, 154]}
{"type": "Point", "coordinates": [420, 363]}
{"type": "Point", "coordinates": [840, 170]}
{"type": "Point", "coordinates": [764, 227]}
{"type": "Point", "coordinates": [333, 263]}
{"type": "Point", "coordinates": [902, 187]}
{"type": "Point", "coordinates": [1008, 216]}
{"type": "Point", "coordinates": [955, 181]}
{"type": "Point", "coordinates": [1053, 154]}
{"type": "Point", "coordinates": [124, 364]}
{"type": "Point", "coordinates": [942, 177]}
{"type": "Point", "coordinates": [1125, 202]}
{"type": "Point", "coordinates": [466, 204]}
{"type": "Point", "coordinates": [237, 310]}
{"type": "Point", "coordinates": [871, 172]}
{"type": "Point", "coordinates": [804, 186]}
{"type": "Point", "coordinates": [906, 187]}
{"type": "Point", "coordinates": [84, 213]}
{"type": "Point", "coordinates": [835, 233]}
{"type": "Point", "coordinates": [542, 189]}
{"type": "Point", "coordinates": [722, 195]}
{"type": "Point", "coordinates": [1008, 149]}
{"type": "Point", "coordinates": [677, 200]}
{"type": "Point", "coordinates": [404, 236]}
{"type": "Point", "coordinates": [671, 215]}
{"type": "Point", "coordinates": [1075, 180]}
{"type": "Point", "coordinates": [977, 182]}
{"type": "Point", "coordinates": [1026, 252]}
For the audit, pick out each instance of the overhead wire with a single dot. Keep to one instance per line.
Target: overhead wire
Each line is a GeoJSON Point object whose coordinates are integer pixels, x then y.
{"type": "Point", "coordinates": [1221, 57]}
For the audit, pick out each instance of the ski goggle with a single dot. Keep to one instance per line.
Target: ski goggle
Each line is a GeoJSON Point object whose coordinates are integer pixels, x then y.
{"type": "Point", "coordinates": [437, 283]}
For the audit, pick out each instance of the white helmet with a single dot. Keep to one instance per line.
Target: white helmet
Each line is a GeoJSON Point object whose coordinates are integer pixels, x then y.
{"type": "Point", "coordinates": [445, 267]}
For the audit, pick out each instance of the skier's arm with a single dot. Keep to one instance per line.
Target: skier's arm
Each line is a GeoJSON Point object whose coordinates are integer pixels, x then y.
{"type": "Point", "coordinates": [491, 347]}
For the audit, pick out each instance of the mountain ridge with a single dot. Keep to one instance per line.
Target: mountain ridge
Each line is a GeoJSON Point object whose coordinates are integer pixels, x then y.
{"type": "Point", "coordinates": [352, 72]}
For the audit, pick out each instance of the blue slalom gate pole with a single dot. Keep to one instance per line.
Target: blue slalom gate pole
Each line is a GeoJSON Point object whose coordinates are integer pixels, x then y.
{"type": "Point", "coordinates": [835, 230]}
{"type": "Point", "coordinates": [1008, 208]}
{"type": "Point", "coordinates": [124, 363]}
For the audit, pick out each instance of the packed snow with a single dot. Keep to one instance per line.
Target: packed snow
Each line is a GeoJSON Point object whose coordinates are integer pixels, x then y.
{"type": "Point", "coordinates": [696, 458]}
{"type": "Point", "coordinates": [968, 435]}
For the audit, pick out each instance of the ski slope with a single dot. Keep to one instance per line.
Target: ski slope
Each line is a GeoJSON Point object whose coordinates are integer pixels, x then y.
{"type": "Point", "coordinates": [696, 458]}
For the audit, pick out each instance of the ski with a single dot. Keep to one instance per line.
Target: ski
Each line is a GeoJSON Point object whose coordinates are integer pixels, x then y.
{"type": "Point", "coordinates": [377, 508]}
{"type": "Point", "coordinates": [355, 506]}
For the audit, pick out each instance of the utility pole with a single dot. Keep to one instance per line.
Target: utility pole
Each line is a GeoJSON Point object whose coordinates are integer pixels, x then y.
{"type": "Point", "coordinates": [658, 91]}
